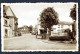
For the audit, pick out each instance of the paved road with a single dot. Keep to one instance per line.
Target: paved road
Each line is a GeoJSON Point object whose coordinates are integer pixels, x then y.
{"type": "Point", "coordinates": [29, 42]}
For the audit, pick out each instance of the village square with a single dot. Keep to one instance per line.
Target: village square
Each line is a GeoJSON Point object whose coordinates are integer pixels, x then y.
{"type": "Point", "coordinates": [39, 27]}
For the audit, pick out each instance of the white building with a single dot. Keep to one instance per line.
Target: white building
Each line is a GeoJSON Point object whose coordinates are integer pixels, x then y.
{"type": "Point", "coordinates": [39, 28]}
{"type": "Point", "coordinates": [60, 28]}
{"type": "Point", "coordinates": [10, 22]}
{"type": "Point", "coordinates": [57, 30]}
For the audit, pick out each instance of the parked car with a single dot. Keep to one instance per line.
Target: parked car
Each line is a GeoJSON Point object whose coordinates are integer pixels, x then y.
{"type": "Point", "coordinates": [19, 34]}
{"type": "Point", "coordinates": [34, 33]}
{"type": "Point", "coordinates": [30, 31]}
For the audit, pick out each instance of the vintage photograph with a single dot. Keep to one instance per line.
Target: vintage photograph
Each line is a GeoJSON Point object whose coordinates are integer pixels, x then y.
{"type": "Point", "coordinates": [39, 27]}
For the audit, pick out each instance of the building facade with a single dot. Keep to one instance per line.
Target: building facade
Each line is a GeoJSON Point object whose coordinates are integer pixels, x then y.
{"type": "Point", "coordinates": [10, 22]}
{"type": "Point", "coordinates": [58, 29]}
{"type": "Point", "coordinates": [39, 28]}
{"type": "Point", "coordinates": [23, 30]}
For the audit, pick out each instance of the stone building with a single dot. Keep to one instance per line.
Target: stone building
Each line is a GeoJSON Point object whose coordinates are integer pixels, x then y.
{"type": "Point", "coordinates": [10, 22]}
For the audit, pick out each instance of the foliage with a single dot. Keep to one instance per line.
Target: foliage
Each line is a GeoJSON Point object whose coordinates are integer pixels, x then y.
{"type": "Point", "coordinates": [30, 28]}
{"type": "Point", "coordinates": [73, 12]}
{"type": "Point", "coordinates": [67, 30]}
{"type": "Point", "coordinates": [48, 17]}
{"type": "Point", "coordinates": [73, 16]}
{"type": "Point", "coordinates": [59, 38]}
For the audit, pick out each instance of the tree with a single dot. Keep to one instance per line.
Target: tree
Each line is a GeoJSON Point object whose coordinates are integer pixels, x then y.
{"type": "Point", "coordinates": [73, 12]}
{"type": "Point", "coordinates": [30, 28]}
{"type": "Point", "coordinates": [48, 18]}
{"type": "Point", "coordinates": [73, 16]}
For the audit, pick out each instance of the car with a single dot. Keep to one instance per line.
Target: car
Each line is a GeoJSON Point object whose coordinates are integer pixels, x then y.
{"type": "Point", "coordinates": [34, 33]}
{"type": "Point", "coordinates": [19, 34]}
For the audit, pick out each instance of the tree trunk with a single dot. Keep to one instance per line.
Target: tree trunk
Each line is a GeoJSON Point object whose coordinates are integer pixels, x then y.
{"type": "Point", "coordinates": [45, 30]}
{"type": "Point", "coordinates": [49, 32]}
{"type": "Point", "coordinates": [74, 31]}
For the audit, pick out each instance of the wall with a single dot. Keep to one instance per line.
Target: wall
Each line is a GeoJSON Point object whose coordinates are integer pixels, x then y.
{"type": "Point", "coordinates": [10, 22]}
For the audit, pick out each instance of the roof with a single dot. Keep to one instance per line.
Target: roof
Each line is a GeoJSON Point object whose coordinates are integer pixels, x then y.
{"type": "Point", "coordinates": [5, 9]}
{"type": "Point", "coordinates": [65, 23]}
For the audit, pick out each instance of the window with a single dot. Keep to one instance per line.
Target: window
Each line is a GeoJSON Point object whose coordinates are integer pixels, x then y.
{"type": "Point", "coordinates": [68, 25]}
{"type": "Point", "coordinates": [5, 32]}
{"type": "Point", "coordinates": [62, 26]}
{"type": "Point", "coordinates": [5, 22]}
{"type": "Point", "coordinates": [16, 23]}
{"type": "Point", "coordinates": [58, 26]}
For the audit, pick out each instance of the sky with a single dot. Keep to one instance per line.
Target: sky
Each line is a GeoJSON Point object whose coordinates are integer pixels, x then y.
{"type": "Point", "coordinates": [27, 13]}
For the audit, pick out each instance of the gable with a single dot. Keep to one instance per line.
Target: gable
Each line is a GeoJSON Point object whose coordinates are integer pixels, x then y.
{"type": "Point", "coordinates": [9, 12]}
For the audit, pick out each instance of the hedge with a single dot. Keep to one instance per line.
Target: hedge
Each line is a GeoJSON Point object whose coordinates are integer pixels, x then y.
{"type": "Point", "coordinates": [59, 38]}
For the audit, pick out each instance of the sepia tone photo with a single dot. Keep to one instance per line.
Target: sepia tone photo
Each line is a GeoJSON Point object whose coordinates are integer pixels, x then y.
{"type": "Point", "coordinates": [39, 27]}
